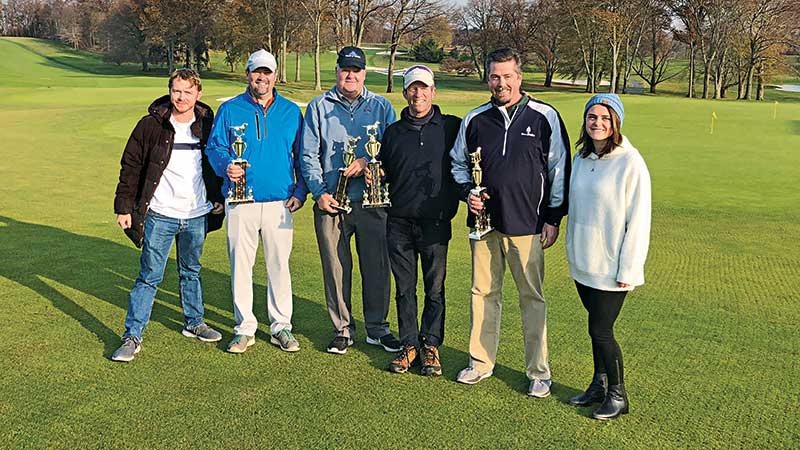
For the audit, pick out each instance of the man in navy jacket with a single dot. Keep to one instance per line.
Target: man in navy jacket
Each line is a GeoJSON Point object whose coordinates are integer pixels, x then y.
{"type": "Point", "coordinates": [525, 161]}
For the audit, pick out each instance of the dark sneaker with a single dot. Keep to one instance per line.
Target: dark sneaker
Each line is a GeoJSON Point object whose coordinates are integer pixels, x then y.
{"type": "Point", "coordinates": [339, 345]}
{"type": "Point", "coordinates": [430, 361]}
{"type": "Point", "coordinates": [131, 345]}
{"type": "Point", "coordinates": [202, 332]}
{"type": "Point", "coordinates": [285, 340]}
{"type": "Point", "coordinates": [407, 358]}
{"type": "Point", "coordinates": [471, 376]}
{"type": "Point", "coordinates": [539, 388]}
{"type": "Point", "coordinates": [240, 342]}
{"type": "Point", "coordinates": [388, 342]}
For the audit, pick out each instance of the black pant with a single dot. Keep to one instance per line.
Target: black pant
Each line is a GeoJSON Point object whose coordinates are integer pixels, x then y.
{"type": "Point", "coordinates": [604, 308]}
{"type": "Point", "coordinates": [408, 241]}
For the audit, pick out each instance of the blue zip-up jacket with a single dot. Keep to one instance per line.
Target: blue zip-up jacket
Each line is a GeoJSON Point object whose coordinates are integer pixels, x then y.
{"type": "Point", "coordinates": [273, 139]}
{"type": "Point", "coordinates": [525, 160]}
{"type": "Point", "coordinates": [329, 120]}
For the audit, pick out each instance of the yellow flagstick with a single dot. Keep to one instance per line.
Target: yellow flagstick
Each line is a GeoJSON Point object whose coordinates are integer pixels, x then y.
{"type": "Point", "coordinates": [775, 110]}
{"type": "Point", "coordinates": [713, 121]}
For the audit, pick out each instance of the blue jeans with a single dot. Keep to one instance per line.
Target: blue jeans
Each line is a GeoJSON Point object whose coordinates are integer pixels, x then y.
{"type": "Point", "coordinates": [159, 232]}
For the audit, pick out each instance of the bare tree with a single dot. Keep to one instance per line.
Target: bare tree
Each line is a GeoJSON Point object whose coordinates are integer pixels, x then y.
{"type": "Point", "coordinates": [408, 16]}
{"type": "Point", "coordinates": [316, 11]}
{"type": "Point", "coordinates": [653, 65]}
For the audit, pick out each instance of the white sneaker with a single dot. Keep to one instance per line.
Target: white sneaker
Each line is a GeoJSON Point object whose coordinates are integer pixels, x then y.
{"type": "Point", "coordinates": [471, 375]}
{"type": "Point", "coordinates": [539, 388]}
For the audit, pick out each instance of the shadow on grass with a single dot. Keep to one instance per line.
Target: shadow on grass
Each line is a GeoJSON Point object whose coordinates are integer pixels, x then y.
{"type": "Point", "coordinates": [38, 255]}
{"type": "Point", "coordinates": [794, 126]}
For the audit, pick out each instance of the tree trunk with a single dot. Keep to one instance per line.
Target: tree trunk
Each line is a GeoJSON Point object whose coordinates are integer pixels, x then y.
{"type": "Point", "coordinates": [297, 66]}
{"type": "Point", "coordinates": [690, 93]}
{"type": "Point", "coordinates": [390, 74]}
{"type": "Point", "coordinates": [171, 56]}
{"type": "Point", "coordinates": [317, 79]}
{"type": "Point", "coordinates": [748, 87]}
{"type": "Point", "coordinates": [284, 40]}
{"type": "Point", "coordinates": [548, 76]}
{"type": "Point", "coordinates": [706, 78]}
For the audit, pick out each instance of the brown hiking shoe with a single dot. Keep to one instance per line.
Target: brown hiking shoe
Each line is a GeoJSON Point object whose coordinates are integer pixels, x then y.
{"type": "Point", "coordinates": [406, 359]}
{"type": "Point", "coordinates": [430, 361]}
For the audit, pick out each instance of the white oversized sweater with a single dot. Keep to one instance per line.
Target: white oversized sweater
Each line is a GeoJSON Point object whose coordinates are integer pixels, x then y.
{"type": "Point", "coordinates": [608, 229]}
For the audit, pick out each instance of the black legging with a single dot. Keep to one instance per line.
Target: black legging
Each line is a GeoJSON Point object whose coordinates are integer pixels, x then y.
{"type": "Point", "coordinates": [604, 308]}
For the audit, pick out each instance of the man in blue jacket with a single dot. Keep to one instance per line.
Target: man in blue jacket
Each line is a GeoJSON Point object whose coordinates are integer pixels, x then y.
{"type": "Point", "coordinates": [344, 111]}
{"type": "Point", "coordinates": [273, 173]}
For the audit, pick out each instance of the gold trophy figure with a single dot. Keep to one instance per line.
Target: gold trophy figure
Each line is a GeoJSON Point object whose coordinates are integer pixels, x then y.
{"type": "Point", "coordinates": [349, 155]}
{"type": "Point", "coordinates": [483, 224]}
{"type": "Point", "coordinates": [236, 193]}
{"type": "Point", "coordinates": [377, 194]}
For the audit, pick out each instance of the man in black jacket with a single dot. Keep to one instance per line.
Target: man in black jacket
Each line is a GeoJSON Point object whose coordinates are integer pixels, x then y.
{"type": "Point", "coordinates": [167, 191]}
{"type": "Point", "coordinates": [414, 154]}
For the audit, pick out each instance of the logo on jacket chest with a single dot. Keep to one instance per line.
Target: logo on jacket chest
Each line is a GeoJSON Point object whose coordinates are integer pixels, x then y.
{"type": "Point", "coordinates": [528, 133]}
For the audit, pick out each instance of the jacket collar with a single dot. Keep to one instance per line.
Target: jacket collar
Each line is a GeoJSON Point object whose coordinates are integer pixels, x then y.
{"type": "Point", "coordinates": [249, 98]}
{"type": "Point", "coordinates": [435, 119]}
{"type": "Point", "coordinates": [161, 108]}
{"type": "Point", "coordinates": [333, 94]}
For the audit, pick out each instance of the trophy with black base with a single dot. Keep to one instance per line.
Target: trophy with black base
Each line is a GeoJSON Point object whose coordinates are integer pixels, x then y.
{"type": "Point", "coordinates": [377, 194]}
{"type": "Point", "coordinates": [483, 224]}
{"type": "Point", "coordinates": [349, 155]}
{"type": "Point", "coordinates": [239, 192]}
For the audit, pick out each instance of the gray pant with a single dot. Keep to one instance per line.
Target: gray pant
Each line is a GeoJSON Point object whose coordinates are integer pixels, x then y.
{"type": "Point", "coordinates": [333, 238]}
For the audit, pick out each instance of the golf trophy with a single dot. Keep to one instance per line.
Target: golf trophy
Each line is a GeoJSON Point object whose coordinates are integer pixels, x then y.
{"type": "Point", "coordinates": [349, 155]}
{"type": "Point", "coordinates": [483, 224]}
{"type": "Point", "coordinates": [236, 193]}
{"type": "Point", "coordinates": [377, 194]}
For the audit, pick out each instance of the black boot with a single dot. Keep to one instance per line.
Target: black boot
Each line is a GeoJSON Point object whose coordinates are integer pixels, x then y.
{"type": "Point", "coordinates": [616, 403]}
{"type": "Point", "coordinates": [595, 393]}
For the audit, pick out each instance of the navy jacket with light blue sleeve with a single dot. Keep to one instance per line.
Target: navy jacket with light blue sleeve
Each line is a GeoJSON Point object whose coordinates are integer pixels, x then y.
{"type": "Point", "coordinates": [329, 120]}
{"type": "Point", "coordinates": [525, 160]}
{"type": "Point", "coordinates": [274, 141]}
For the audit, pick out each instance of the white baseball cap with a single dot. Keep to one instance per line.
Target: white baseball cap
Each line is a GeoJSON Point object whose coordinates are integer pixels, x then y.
{"type": "Point", "coordinates": [417, 73]}
{"type": "Point", "coordinates": [261, 58]}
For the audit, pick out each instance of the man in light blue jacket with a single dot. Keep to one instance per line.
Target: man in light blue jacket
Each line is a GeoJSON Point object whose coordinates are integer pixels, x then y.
{"type": "Point", "coordinates": [344, 111]}
{"type": "Point", "coordinates": [273, 136]}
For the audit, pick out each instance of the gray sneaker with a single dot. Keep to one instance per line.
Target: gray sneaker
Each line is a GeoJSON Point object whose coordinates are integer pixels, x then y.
{"type": "Point", "coordinates": [240, 342]}
{"type": "Point", "coordinates": [203, 332]}
{"type": "Point", "coordinates": [539, 388]}
{"type": "Point", "coordinates": [471, 375]}
{"type": "Point", "coordinates": [131, 345]}
{"type": "Point", "coordinates": [285, 341]}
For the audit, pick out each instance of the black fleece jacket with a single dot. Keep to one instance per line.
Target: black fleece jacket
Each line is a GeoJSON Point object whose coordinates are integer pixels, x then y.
{"type": "Point", "coordinates": [416, 160]}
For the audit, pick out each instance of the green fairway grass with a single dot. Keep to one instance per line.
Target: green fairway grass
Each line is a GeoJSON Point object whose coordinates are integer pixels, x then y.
{"type": "Point", "coordinates": [710, 343]}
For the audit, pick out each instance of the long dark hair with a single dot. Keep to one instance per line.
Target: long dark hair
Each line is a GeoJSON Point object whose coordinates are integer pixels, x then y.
{"type": "Point", "coordinates": [585, 145]}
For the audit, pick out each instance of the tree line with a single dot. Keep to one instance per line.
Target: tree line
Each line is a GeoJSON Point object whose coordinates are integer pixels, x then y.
{"type": "Point", "coordinates": [715, 45]}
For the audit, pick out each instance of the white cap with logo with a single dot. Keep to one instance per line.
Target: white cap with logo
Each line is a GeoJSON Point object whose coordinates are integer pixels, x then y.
{"type": "Point", "coordinates": [417, 73]}
{"type": "Point", "coordinates": [261, 58]}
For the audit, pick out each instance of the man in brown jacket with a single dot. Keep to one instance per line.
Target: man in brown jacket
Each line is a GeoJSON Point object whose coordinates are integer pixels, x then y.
{"type": "Point", "coordinates": [168, 192]}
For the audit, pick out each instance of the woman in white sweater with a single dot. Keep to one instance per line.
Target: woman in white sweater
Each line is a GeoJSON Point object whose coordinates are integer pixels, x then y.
{"type": "Point", "coordinates": [608, 234]}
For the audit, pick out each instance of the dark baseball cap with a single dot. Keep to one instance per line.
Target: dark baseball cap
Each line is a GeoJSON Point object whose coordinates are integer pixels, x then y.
{"type": "Point", "coordinates": [352, 57]}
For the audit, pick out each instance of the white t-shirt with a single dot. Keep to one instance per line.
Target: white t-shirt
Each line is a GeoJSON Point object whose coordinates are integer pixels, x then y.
{"type": "Point", "coordinates": [181, 193]}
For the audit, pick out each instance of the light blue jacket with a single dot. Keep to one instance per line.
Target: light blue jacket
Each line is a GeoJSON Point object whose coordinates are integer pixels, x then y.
{"type": "Point", "coordinates": [273, 146]}
{"type": "Point", "coordinates": [329, 120]}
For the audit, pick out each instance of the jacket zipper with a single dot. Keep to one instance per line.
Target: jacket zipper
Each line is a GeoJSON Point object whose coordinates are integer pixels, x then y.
{"type": "Point", "coordinates": [258, 127]}
{"type": "Point", "coordinates": [541, 195]}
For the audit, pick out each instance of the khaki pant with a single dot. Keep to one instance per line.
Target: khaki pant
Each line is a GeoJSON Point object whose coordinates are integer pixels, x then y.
{"type": "Point", "coordinates": [525, 258]}
{"type": "Point", "coordinates": [246, 223]}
